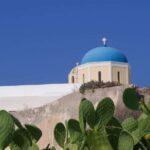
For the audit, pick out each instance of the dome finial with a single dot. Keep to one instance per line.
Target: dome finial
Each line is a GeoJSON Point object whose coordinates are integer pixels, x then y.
{"type": "Point", "coordinates": [104, 40]}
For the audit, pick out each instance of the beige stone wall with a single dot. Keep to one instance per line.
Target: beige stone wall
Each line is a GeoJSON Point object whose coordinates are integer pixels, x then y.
{"type": "Point", "coordinates": [124, 74]}
{"type": "Point", "coordinates": [73, 74]}
{"type": "Point", "coordinates": [83, 75]}
{"type": "Point", "coordinates": [105, 74]}
{"type": "Point", "coordinates": [109, 72]}
{"type": "Point", "coordinates": [86, 74]}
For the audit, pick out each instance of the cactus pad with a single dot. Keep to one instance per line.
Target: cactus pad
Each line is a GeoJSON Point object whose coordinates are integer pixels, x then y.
{"type": "Point", "coordinates": [34, 132]}
{"type": "Point", "coordinates": [130, 124]}
{"type": "Point", "coordinates": [74, 130]}
{"type": "Point", "coordinates": [86, 114]}
{"type": "Point", "coordinates": [104, 111]}
{"type": "Point", "coordinates": [125, 141]}
{"type": "Point", "coordinates": [130, 99]}
{"type": "Point", "coordinates": [113, 129]}
{"type": "Point", "coordinates": [98, 141]}
{"type": "Point", "coordinates": [60, 134]}
{"type": "Point", "coordinates": [6, 129]}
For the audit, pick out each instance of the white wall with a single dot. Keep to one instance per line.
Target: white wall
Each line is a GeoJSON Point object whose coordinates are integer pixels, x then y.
{"type": "Point", "coordinates": [14, 98]}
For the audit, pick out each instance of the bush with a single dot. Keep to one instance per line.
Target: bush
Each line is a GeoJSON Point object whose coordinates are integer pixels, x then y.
{"type": "Point", "coordinates": [92, 85]}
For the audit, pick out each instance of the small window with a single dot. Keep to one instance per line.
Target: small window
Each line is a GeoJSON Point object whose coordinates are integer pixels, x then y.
{"type": "Point", "coordinates": [83, 78]}
{"type": "Point", "coordinates": [72, 79]}
{"type": "Point", "coordinates": [99, 76]}
{"type": "Point", "coordinates": [118, 74]}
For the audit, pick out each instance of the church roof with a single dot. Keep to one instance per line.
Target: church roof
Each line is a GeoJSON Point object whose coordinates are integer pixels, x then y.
{"type": "Point", "coordinates": [104, 53]}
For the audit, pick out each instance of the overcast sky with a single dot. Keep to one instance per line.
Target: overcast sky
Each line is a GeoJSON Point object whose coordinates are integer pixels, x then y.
{"type": "Point", "coordinates": [40, 41]}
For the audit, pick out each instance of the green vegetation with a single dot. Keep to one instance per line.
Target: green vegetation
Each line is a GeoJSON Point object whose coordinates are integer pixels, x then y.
{"type": "Point", "coordinates": [98, 129]}
{"type": "Point", "coordinates": [92, 85]}
{"type": "Point", "coordinates": [18, 136]}
{"type": "Point", "coordinates": [95, 129]}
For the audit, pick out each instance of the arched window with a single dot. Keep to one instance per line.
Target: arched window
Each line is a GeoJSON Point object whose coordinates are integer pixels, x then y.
{"type": "Point", "coordinates": [72, 79]}
{"type": "Point", "coordinates": [99, 76]}
{"type": "Point", "coordinates": [118, 76]}
{"type": "Point", "coordinates": [83, 78]}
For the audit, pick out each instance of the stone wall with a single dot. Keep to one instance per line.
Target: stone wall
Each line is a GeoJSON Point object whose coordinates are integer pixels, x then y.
{"type": "Point", "coordinates": [47, 116]}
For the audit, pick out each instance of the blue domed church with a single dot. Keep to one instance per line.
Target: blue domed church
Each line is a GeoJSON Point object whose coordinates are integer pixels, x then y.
{"type": "Point", "coordinates": [102, 63]}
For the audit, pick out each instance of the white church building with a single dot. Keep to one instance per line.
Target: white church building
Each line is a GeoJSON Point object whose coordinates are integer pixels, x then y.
{"type": "Point", "coordinates": [99, 64]}
{"type": "Point", "coordinates": [102, 63]}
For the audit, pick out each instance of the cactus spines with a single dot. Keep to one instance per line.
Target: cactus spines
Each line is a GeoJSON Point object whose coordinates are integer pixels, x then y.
{"type": "Point", "coordinates": [86, 114]}
{"type": "Point", "coordinates": [130, 99]}
{"type": "Point", "coordinates": [104, 112]}
{"type": "Point", "coordinates": [60, 134]}
{"type": "Point", "coordinates": [130, 124]}
{"type": "Point", "coordinates": [6, 129]}
{"type": "Point", "coordinates": [125, 141]}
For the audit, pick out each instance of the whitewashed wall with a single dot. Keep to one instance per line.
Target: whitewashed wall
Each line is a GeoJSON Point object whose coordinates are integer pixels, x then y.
{"type": "Point", "coordinates": [14, 98]}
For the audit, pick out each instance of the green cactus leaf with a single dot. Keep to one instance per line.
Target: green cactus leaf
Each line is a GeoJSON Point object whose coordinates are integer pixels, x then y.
{"type": "Point", "coordinates": [60, 134]}
{"type": "Point", "coordinates": [130, 99]}
{"type": "Point", "coordinates": [113, 129]}
{"type": "Point", "coordinates": [143, 128]}
{"type": "Point", "coordinates": [21, 140]}
{"type": "Point", "coordinates": [74, 130]}
{"type": "Point", "coordinates": [34, 146]}
{"type": "Point", "coordinates": [7, 129]}
{"type": "Point", "coordinates": [104, 112]}
{"type": "Point", "coordinates": [17, 122]}
{"type": "Point", "coordinates": [98, 141]}
{"type": "Point", "coordinates": [86, 114]}
{"type": "Point", "coordinates": [34, 131]}
{"type": "Point", "coordinates": [144, 124]}
{"type": "Point", "coordinates": [146, 109]}
{"type": "Point", "coordinates": [141, 117]}
{"type": "Point", "coordinates": [130, 124]}
{"type": "Point", "coordinates": [82, 121]}
{"type": "Point", "coordinates": [85, 148]}
{"type": "Point", "coordinates": [137, 135]}
{"type": "Point", "coordinates": [67, 137]}
{"type": "Point", "coordinates": [126, 141]}
{"type": "Point", "coordinates": [18, 139]}
{"type": "Point", "coordinates": [70, 146]}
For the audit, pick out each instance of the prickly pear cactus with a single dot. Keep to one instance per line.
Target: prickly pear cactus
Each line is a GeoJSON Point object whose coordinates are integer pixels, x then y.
{"type": "Point", "coordinates": [98, 141]}
{"type": "Point", "coordinates": [74, 130]}
{"type": "Point", "coordinates": [60, 134]}
{"type": "Point", "coordinates": [6, 129]}
{"type": "Point", "coordinates": [86, 114]}
{"type": "Point", "coordinates": [125, 141]}
{"type": "Point", "coordinates": [104, 112]}
{"type": "Point", "coordinates": [34, 132]}
{"type": "Point", "coordinates": [113, 129]}
{"type": "Point", "coordinates": [34, 146]}
{"type": "Point", "coordinates": [130, 124]}
{"type": "Point", "coordinates": [17, 122]}
{"type": "Point", "coordinates": [70, 147]}
{"type": "Point", "coordinates": [131, 99]}
{"type": "Point", "coordinates": [21, 140]}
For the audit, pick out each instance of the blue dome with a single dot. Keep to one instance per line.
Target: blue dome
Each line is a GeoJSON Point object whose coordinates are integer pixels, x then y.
{"type": "Point", "coordinates": [100, 54]}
